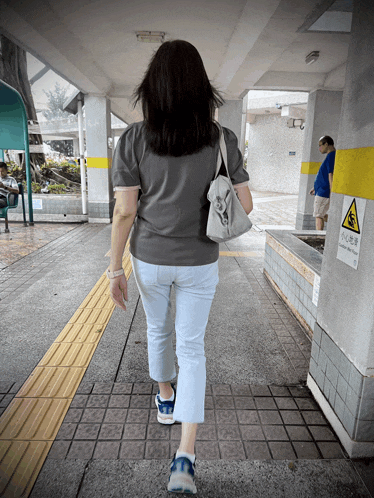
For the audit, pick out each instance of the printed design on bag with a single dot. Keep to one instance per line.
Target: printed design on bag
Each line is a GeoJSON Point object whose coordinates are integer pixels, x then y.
{"type": "Point", "coordinates": [220, 206]}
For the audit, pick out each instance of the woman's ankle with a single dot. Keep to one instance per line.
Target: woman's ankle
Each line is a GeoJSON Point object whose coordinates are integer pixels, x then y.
{"type": "Point", "coordinates": [166, 391]}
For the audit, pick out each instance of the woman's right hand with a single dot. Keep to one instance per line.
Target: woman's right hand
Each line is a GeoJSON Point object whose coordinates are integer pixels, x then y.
{"type": "Point", "coordinates": [118, 291]}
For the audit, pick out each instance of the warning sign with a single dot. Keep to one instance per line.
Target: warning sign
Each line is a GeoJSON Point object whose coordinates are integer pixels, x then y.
{"type": "Point", "coordinates": [351, 221]}
{"type": "Point", "coordinates": [351, 230]}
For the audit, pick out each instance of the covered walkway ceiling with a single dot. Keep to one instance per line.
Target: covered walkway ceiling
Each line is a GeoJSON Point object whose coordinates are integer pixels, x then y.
{"type": "Point", "coordinates": [245, 44]}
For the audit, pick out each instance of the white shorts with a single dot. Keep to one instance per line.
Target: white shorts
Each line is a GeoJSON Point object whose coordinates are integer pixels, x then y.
{"type": "Point", "coordinates": [321, 206]}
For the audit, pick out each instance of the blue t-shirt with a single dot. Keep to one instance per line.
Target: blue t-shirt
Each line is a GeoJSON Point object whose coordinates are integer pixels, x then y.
{"type": "Point", "coordinates": [321, 184]}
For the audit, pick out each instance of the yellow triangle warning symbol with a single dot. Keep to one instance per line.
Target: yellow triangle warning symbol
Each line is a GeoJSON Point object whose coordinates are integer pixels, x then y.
{"type": "Point", "coordinates": [351, 221]}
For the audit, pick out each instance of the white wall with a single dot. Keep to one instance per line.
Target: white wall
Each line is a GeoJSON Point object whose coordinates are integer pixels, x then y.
{"type": "Point", "coordinates": [269, 165]}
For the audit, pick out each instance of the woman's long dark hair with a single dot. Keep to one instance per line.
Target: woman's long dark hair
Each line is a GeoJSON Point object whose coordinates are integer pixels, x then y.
{"type": "Point", "coordinates": [178, 101]}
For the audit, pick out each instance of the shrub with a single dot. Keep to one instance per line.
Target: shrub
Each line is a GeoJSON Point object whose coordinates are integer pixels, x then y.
{"type": "Point", "coordinates": [59, 188]}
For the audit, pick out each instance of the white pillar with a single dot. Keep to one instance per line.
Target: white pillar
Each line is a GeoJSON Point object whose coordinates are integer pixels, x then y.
{"type": "Point", "coordinates": [99, 159]}
{"type": "Point", "coordinates": [341, 374]}
{"type": "Point", "coordinates": [81, 157]}
{"type": "Point", "coordinates": [233, 115]}
{"type": "Point", "coordinates": [322, 118]}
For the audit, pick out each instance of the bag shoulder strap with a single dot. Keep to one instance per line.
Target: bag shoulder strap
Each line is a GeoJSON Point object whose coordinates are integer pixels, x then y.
{"type": "Point", "coordinates": [222, 152]}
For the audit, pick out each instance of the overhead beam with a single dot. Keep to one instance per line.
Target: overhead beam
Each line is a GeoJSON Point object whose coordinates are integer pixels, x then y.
{"type": "Point", "coordinates": [255, 14]}
{"type": "Point", "coordinates": [47, 34]}
{"type": "Point", "coordinates": [39, 75]}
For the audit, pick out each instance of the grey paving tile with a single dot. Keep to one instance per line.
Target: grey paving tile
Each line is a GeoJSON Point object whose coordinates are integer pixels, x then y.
{"type": "Point", "coordinates": [93, 415]}
{"type": "Point", "coordinates": [87, 431]}
{"type": "Point", "coordinates": [270, 417]}
{"type": "Point", "coordinates": [286, 403]}
{"type": "Point", "coordinates": [67, 431]}
{"type": "Point", "coordinates": [106, 450]}
{"type": "Point", "coordinates": [244, 403]}
{"type": "Point", "coordinates": [241, 390]}
{"type": "Point", "coordinates": [122, 388]}
{"type": "Point", "coordinates": [142, 388]}
{"type": "Point", "coordinates": [102, 388]}
{"type": "Point", "coordinates": [314, 418]}
{"type": "Point", "coordinates": [98, 401]}
{"type": "Point", "coordinates": [252, 432]}
{"type": "Point", "coordinates": [207, 450]}
{"type": "Point", "coordinates": [282, 450]}
{"type": "Point", "coordinates": [221, 390]}
{"type": "Point", "coordinates": [156, 450]}
{"type": "Point", "coordinates": [81, 450]}
{"type": "Point", "coordinates": [59, 450]}
{"type": "Point", "coordinates": [206, 432]}
{"type": "Point", "coordinates": [331, 450]}
{"type": "Point", "coordinates": [209, 417]}
{"type": "Point", "coordinates": [321, 433]}
{"type": "Point", "coordinates": [111, 431]}
{"type": "Point", "coordinates": [224, 402]}
{"type": "Point", "coordinates": [260, 390]}
{"type": "Point", "coordinates": [228, 432]}
{"type": "Point", "coordinates": [138, 416]}
{"type": "Point", "coordinates": [134, 431]}
{"type": "Point", "coordinates": [226, 417]}
{"type": "Point", "coordinates": [265, 403]}
{"type": "Point", "coordinates": [119, 401]}
{"type": "Point", "coordinates": [232, 450]}
{"type": "Point", "coordinates": [132, 450]}
{"type": "Point", "coordinates": [306, 450]}
{"type": "Point", "coordinates": [256, 450]}
{"type": "Point", "coordinates": [73, 415]}
{"type": "Point", "coordinates": [275, 433]}
{"type": "Point", "coordinates": [292, 417]}
{"type": "Point", "coordinates": [279, 391]}
{"type": "Point", "coordinates": [116, 415]}
{"type": "Point", "coordinates": [248, 417]}
{"type": "Point", "coordinates": [298, 433]}
{"type": "Point", "coordinates": [158, 432]}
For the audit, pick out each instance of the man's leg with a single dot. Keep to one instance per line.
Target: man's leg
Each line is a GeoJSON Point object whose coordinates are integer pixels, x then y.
{"type": "Point", "coordinates": [319, 223]}
{"type": "Point", "coordinates": [2, 202]}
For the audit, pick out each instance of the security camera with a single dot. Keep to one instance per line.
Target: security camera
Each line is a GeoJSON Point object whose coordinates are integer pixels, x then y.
{"type": "Point", "coordinates": [278, 106]}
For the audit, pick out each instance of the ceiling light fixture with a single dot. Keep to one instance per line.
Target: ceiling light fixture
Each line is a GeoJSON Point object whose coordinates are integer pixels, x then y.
{"type": "Point", "coordinates": [312, 57]}
{"type": "Point", "coordinates": [150, 36]}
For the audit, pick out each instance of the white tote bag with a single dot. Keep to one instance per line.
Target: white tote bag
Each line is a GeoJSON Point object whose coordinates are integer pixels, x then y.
{"type": "Point", "coordinates": [227, 218]}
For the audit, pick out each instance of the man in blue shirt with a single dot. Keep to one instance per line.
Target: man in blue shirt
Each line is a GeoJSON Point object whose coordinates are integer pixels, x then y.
{"type": "Point", "coordinates": [323, 182]}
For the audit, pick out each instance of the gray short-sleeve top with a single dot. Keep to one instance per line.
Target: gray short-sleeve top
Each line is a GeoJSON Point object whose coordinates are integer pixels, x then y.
{"type": "Point", "coordinates": [173, 208]}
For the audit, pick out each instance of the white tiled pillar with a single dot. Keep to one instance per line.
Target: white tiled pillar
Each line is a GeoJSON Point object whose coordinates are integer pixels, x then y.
{"type": "Point", "coordinates": [99, 159]}
{"type": "Point", "coordinates": [233, 115]}
{"type": "Point", "coordinates": [341, 374]}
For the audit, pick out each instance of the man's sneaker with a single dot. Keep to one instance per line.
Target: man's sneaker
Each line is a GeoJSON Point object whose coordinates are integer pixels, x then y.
{"type": "Point", "coordinates": [165, 409]}
{"type": "Point", "coordinates": [182, 472]}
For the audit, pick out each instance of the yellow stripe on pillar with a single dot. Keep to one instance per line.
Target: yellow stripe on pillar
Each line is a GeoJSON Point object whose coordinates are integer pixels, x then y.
{"type": "Point", "coordinates": [310, 168]}
{"type": "Point", "coordinates": [354, 172]}
{"type": "Point", "coordinates": [99, 162]}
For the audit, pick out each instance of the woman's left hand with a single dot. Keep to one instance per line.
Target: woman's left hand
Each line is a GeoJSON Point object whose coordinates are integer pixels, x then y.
{"type": "Point", "coordinates": [118, 291]}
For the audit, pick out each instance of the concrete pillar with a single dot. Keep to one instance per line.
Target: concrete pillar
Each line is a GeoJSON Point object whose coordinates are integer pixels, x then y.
{"type": "Point", "coordinates": [233, 115]}
{"type": "Point", "coordinates": [99, 159]}
{"type": "Point", "coordinates": [341, 373]}
{"type": "Point", "coordinates": [322, 118]}
{"type": "Point", "coordinates": [75, 147]}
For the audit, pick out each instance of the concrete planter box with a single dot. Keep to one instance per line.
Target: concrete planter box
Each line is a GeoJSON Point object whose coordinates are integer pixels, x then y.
{"type": "Point", "coordinates": [291, 267]}
{"type": "Point", "coordinates": [51, 207]}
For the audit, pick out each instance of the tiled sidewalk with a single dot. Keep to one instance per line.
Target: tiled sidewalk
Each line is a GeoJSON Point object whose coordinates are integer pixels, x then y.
{"type": "Point", "coordinates": [118, 421]}
{"type": "Point", "coordinates": [27, 270]}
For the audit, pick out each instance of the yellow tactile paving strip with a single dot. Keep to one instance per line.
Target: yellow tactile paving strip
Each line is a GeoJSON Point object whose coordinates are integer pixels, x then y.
{"type": "Point", "coordinates": [241, 254]}
{"type": "Point", "coordinates": [31, 422]}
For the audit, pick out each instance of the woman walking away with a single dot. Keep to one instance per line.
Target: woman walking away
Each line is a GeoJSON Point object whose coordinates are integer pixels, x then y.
{"type": "Point", "coordinates": [171, 157]}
